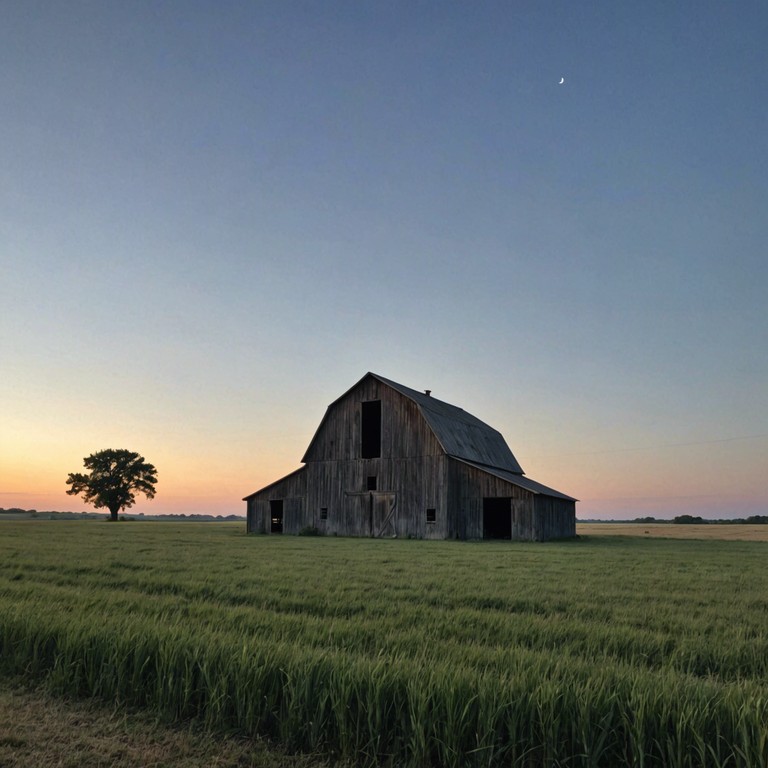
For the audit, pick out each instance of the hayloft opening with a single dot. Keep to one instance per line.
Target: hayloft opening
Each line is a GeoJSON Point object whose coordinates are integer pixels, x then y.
{"type": "Point", "coordinates": [370, 425]}
{"type": "Point", "coordinates": [497, 518]}
{"type": "Point", "coordinates": [276, 515]}
{"type": "Point", "coordinates": [371, 483]}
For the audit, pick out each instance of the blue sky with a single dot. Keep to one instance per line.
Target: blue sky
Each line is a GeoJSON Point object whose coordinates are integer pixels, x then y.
{"type": "Point", "coordinates": [216, 217]}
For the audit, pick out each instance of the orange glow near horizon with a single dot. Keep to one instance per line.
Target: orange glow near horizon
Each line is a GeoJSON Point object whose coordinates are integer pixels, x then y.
{"type": "Point", "coordinates": [209, 467]}
{"type": "Point", "coordinates": [618, 485]}
{"type": "Point", "coordinates": [188, 484]}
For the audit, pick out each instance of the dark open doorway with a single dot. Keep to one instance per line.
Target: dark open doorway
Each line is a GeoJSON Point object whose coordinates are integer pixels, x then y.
{"type": "Point", "coordinates": [276, 515]}
{"type": "Point", "coordinates": [497, 518]}
{"type": "Point", "coordinates": [370, 429]}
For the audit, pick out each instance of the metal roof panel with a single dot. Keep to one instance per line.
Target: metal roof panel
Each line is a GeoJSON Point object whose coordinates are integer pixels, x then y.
{"type": "Point", "coordinates": [460, 433]}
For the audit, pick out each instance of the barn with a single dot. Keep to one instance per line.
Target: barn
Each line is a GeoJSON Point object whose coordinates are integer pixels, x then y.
{"type": "Point", "coordinates": [390, 461]}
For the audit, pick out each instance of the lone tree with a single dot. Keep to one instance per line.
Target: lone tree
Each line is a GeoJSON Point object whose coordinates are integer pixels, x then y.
{"type": "Point", "coordinates": [114, 479]}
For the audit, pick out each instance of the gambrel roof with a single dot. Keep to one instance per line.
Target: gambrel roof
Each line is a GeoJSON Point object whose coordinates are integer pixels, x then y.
{"type": "Point", "coordinates": [460, 434]}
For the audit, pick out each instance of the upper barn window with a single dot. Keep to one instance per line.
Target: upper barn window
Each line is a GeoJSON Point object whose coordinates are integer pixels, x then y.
{"type": "Point", "coordinates": [370, 430]}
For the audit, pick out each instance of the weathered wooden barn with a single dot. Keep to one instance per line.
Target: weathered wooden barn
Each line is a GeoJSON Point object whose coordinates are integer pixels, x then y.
{"type": "Point", "coordinates": [391, 461]}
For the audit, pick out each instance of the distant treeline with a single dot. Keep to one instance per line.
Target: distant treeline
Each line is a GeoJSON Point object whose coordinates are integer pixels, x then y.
{"type": "Point", "coordinates": [18, 511]}
{"type": "Point", "coordinates": [691, 520]}
{"type": "Point", "coordinates": [54, 515]}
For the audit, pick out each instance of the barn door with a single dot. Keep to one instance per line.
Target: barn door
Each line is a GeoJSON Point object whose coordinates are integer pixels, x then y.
{"type": "Point", "coordinates": [371, 513]}
{"type": "Point", "coordinates": [383, 514]}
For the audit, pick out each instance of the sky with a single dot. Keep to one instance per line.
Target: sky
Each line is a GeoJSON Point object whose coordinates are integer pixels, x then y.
{"type": "Point", "coordinates": [216, 217]}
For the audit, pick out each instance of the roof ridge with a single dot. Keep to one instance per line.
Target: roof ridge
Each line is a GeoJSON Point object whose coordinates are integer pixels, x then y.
{"type": "Point", "coordinates": [436, 411]}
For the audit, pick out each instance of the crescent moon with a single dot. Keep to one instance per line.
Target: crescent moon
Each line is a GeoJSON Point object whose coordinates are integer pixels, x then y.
{"type": "Point", "coordinates": [562, 80]}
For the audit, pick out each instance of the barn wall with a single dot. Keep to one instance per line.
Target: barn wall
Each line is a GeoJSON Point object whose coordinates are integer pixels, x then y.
{"type": "Point", "coordinates": [404, 432]}
{"type": "Point", "coordinates": [405, 489]}
{"type": "Point", "coordinates": [409, 473]}
{"type": "Point", "coordinates": [468, 488]}
{"type": "Point", "coordinates": [556, 517]}
{"type": "Point", "coordinates": [533, 517]}
{"type": "Point", "coordinates": [292, 491]}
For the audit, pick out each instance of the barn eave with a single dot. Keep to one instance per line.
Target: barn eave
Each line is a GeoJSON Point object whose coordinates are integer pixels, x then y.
{"type": "Point", "coordinates": [519, 480]}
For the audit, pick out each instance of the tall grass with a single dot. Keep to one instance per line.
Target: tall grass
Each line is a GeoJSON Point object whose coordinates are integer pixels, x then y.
{"type": "Point", "coordinates": [602, 652]}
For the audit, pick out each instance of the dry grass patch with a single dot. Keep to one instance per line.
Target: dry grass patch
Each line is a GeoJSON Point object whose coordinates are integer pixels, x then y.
{"type": "Point", "coordinates": [37, 729]}
{"type": "Point", "coordinates": [672, 531]}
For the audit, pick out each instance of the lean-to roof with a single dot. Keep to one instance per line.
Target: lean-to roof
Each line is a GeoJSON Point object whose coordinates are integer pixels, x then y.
{"type": "Point", "coordinates": [276, 482]}
{"type": "Point", "coordinates": [520, 480]}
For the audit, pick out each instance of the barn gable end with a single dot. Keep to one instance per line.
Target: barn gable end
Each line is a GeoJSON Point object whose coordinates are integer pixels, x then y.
{"type": "Point", "coordinates": [387, 460]}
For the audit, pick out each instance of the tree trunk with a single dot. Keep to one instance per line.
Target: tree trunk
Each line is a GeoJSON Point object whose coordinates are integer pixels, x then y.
{"type": "Point", "coordinates": [113, 514]}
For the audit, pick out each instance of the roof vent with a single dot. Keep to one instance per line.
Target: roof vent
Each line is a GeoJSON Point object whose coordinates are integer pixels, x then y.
{"type": "Point", "coordinates": [427, 392]}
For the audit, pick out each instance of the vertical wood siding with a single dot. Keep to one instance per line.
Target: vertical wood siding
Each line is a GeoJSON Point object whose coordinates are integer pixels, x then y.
{"type": "Point", "coordinates": [413, 474]}
{"type": "Point", "coordinates": [534, 517]}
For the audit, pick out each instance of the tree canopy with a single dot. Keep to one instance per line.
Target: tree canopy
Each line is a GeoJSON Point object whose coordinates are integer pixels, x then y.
{"type": "Point", "coordinates": [115, 477]}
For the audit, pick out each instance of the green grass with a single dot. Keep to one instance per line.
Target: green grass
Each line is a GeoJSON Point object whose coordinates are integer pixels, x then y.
{"type": "Point", "coordinates": [600, 652]}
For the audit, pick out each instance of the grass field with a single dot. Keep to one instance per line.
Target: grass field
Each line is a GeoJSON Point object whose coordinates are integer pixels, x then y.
{"type": "Point", "coordinates": [606, 651]}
